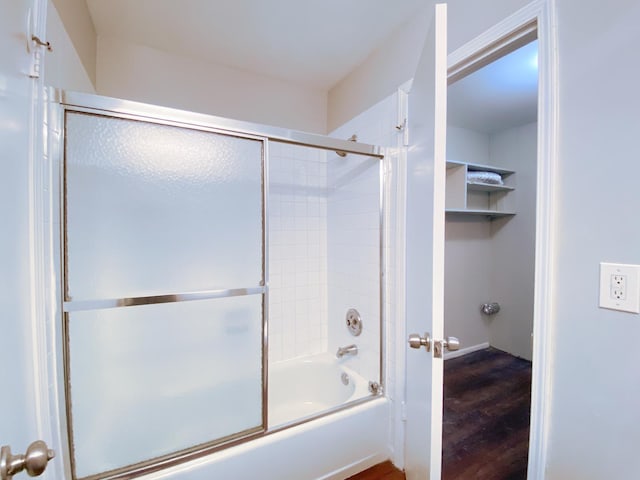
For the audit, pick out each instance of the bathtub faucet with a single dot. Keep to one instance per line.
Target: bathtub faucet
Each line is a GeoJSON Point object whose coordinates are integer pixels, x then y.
{"type": "Point", "coordinates": [348, 350]}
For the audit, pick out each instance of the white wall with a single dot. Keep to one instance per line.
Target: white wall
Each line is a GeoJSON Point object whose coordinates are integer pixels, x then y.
{"type": "Point", "coordinates": [468, 252]}
{"type": "Point", "coordinates": [595, 381]}
{"type": "Point", "coordinates": [380, 75]}
{"type": "Point", "coordinates": [81, 32]}
{"type": "Point", "coordinates": [493, 261]}
{"type": "Point", "coordinates": [139, 73]}
{"type": "Point", "coordinates": [63, 67]}
{"type": "Point", "coordinates": [513, 243]}
{"type": "Point", "coordinates": [18, 273]}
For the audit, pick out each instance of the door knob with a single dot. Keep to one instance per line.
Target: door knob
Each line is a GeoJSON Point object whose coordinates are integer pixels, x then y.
{"type": "Point", "coordinates": [34, 461]}
{"type": "Point", "coordinates": [416, 341]}
{"type": "Point", "coordinates": [449, 343]}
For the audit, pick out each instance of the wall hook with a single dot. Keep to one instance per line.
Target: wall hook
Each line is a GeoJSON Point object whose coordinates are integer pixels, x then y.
{"type": "Point", "coordinates": [35, 39]}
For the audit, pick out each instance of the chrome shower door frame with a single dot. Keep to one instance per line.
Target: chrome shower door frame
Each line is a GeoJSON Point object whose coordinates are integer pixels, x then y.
{"type": "Point", "coordinates": [103, 107]}
{"type": "Point", "coordinates": [59, 103]}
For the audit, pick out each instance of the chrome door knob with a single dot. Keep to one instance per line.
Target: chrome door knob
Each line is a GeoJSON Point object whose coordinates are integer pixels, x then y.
{"type": "Point", "coordinates": [451, 343]}
{"type": "Point", "coordinates": [416, 341]}
{"type": "Point", "coordinates": [34, 461]}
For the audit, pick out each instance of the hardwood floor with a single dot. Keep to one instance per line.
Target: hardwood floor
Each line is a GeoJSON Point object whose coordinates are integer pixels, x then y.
{"type": "Point", "coordinates": [382, 471]}
{"type": "Point", "coordinates": [487, 398]}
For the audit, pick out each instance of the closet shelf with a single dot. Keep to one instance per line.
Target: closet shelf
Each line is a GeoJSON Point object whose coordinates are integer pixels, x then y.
{"type": "Point", "coordinates": [472, 196]}
{"type": "Point", "coordinates": [486, 213]}
{"type": "Point", "coordinates": [488, 187]}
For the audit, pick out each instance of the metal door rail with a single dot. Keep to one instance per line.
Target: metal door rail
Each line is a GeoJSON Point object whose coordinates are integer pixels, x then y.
{"type": "Point", "coordinates": [80, 305]}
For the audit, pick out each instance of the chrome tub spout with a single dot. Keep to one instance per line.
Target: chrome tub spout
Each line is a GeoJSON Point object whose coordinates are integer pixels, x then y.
{"type": "Point", "coordinates": [348, 350]}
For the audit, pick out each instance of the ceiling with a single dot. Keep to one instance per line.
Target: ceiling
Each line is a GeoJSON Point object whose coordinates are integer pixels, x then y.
{"type": "Point", "coordinates": [500, 95]}
{"type": "Point", "coordinates": [314, 43]}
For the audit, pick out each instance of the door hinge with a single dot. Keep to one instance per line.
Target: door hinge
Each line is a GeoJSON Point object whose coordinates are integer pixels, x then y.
{"type": "Point", "coordinates": [403, 411]}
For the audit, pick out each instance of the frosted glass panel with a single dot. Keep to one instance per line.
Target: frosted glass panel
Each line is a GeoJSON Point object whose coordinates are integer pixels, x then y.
{"type": "Point", "coordinates": [151, 380]}
{"type": "Point", "coordinates": [155, 209]}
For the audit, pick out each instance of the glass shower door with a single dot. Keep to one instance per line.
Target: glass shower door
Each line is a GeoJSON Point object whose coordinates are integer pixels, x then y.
{"type": "Point", "coordinates": [164, 290]}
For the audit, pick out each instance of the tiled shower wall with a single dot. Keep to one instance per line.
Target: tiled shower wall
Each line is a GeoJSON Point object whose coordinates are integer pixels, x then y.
{"type": "Point", "coordinates": [353, 245]}
{"type": "Point", "coordinates": [324, 255]}
{"type": "Point", "coordinates": [297, 252]}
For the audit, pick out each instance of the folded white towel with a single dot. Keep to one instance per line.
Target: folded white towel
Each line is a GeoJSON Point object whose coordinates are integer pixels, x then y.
{"type": "Point", "coordinates": [491, 178]}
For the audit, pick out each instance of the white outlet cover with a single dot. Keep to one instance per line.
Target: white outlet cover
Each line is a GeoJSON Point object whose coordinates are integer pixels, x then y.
{"type": "Point", "coordinates": [631, 300]}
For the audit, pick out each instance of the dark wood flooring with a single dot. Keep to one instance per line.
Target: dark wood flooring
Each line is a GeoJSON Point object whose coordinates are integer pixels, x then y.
{"type": "Point", "coordinates": [487, 398]}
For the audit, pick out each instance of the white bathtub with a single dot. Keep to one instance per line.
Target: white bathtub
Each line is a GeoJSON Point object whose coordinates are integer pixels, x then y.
{"type": "Point", "coordinates": [303, 387]}
{"type": "Point", "coordinates": [331, 447]}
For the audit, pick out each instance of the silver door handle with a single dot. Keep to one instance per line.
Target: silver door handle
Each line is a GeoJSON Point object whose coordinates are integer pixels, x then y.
{"type": "Point", "coordinates": [449, 343]}
{"type": "Point", "coordinates": [34, 461]}
{"type": "Point", "coordinates": [416, 341]}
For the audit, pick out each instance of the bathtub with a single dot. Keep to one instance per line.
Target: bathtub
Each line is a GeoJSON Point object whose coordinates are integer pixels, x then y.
{"type": "Point", "coordinates": [304, 387]}
{"type": "Point", "coordinates": [331, 447]}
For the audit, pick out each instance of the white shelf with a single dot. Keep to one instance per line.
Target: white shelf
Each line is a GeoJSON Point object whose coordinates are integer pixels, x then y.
{"type": "Point", "coordinates": [477, 167]}
{"type": "Point", "coordinates": [488, 187]}
{"type": "Point", "coordinates": [478, 198]}
{"type": "Point", "coordinates": [484, 213]}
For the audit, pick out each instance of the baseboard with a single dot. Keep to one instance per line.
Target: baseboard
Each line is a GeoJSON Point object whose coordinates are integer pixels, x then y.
{"type": "Point", "coordinates": [465, 351]}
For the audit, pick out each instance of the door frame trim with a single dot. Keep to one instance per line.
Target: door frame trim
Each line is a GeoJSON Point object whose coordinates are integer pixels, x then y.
{"type": "Point", "coordinates": [515, 29]}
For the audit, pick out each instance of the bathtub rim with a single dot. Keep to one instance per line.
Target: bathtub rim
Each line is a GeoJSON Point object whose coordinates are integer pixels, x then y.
{"type": "Point", "coordinates": [200, 452]}
{"type": "Point", "coordinates": [361, 407]}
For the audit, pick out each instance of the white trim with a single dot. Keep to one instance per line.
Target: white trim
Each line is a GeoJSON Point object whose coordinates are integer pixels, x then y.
{"type": "Point", "coordinates": [466, 351]}
{"type": "Point", "coordinates": [44, 306]}
{"type": "Point", "coordinates": [543, 13]}
{"type": "Point", "coordinates": [499, 31]}
{"type": "Point", "coordinates": [399, 178]}
{"type": "Point", "coordinates": [546, 229]}
{"type": "Point", "coordinates": [438, 236]}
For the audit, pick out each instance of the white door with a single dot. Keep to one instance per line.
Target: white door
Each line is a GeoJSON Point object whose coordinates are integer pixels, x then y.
{"type": "Point", "coordinates": [425, 253]}
{"type": "Point", "coordinates": [20, 422]}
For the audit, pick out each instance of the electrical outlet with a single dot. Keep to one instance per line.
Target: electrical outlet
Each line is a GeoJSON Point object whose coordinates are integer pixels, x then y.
{"type": "Point", "coordinates": [620, 287]}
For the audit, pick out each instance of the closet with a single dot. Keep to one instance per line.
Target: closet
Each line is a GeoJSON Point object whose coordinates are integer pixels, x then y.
{"type": "Point", "coordinates": [490, 231]}
{"type": "Point", "coordinates": [490, 204]}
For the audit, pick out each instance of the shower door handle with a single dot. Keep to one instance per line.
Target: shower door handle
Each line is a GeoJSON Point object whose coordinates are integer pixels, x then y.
{"type": "Point", "coordinates": [34, 461]}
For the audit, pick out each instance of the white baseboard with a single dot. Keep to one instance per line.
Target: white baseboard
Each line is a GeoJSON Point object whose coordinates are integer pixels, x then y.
{"type": "Point", "coordinates": [465, 351]}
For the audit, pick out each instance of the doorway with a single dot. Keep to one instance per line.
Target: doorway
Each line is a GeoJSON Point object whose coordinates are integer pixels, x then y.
{"type": "Point", "coordinates": [490, 270]}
